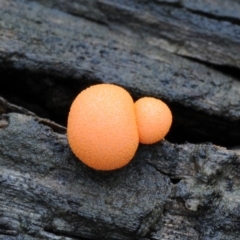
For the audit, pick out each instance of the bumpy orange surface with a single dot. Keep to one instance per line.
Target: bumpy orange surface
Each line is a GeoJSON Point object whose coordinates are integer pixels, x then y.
{"type": "Point", "coordinates": [154, 119]}
{"type": "Point", "coordinates": [102, 130]}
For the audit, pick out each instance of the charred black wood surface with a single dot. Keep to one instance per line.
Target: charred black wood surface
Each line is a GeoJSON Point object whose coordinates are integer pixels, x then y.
{"type": "Point", "coordinates": [184, 52]}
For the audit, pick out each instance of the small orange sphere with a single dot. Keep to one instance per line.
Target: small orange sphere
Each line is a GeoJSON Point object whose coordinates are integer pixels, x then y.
{"type": "Point", "coordinates": [154, 119]}
{"type": "Point", "coordinates": [102, 130]}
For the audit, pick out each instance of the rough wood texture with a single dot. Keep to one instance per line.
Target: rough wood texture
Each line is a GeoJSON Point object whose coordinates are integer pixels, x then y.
{"type": "Point", "coordinates": [47, 193]}
{"type": "Point", "coordinates": [46, 41]}
{"type": "Point", "coordinates": [48, 190]}
{"type": "Point", "coordinates": [50, 50]}
{"type": "Point", "coordinates": [202, 29]}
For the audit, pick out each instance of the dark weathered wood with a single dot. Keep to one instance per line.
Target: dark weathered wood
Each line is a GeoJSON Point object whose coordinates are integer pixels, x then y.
{"type": "Point", "coordinates": [205, 30]}
{"type": "Point", "coordinates": [47, 193]}
{"type": "Point", "coordinates": [48, 190]}
{"type": "Point", "coordinates": [6, 107]}
{"type": "Point", "coordinates": [40, 40]}
{"type": "Point", "coordinates": [52, 49]}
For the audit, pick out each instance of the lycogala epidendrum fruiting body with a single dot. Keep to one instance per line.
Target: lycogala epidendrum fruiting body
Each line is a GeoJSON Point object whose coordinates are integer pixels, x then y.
{"type": "Point", "coordinates": [105, 126]}
{"type": "Point", "coordinates": [102, 130]}
{"type": "Point", "coordinates": [154, 119]}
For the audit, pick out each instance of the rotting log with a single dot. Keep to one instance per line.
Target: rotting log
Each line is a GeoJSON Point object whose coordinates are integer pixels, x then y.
{"type": "Point", "coordinates": [49, 50]}
{"type": "Point", "coordinates": [205, 30]}
{"type": "Point", "coordinates": [43, 43]}
{"type": "Point", "coordinates": [48, 191]}
{"type": "Point", "coordinates": [168, 191]}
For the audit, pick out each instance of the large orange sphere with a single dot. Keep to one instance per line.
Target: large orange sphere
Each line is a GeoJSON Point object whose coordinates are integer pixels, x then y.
{"type": "Point", "coordinates": [154, 119]}
{"type": "Point", "coordinates": [102, 129]}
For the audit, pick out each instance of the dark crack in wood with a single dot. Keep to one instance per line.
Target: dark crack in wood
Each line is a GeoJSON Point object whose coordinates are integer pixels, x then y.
{"type": "Point", "coordinates": [52, 44]}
